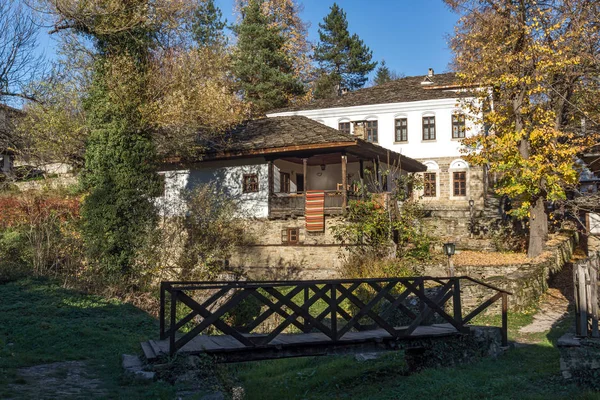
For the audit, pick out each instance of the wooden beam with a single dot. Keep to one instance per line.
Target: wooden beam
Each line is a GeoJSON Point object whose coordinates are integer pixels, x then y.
{"type": "Point", "coordinates": [344, 182]}
{"type": "Point", "coordinates": [271, 178]}
{"type": "Point", "coordinates": [305, 173]}
{"type": "Point", "coordinates": [361, 173]}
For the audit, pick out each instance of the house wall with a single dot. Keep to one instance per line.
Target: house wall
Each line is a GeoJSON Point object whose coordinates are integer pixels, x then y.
{"type": "Point", "coordinates": [5, 163]}
{"type": "Point", "coordinates": [441, 155]}
{"type": "Point", "coordinates": [315, 256]}
{"type": "Point", "coordinates": [227, 176]}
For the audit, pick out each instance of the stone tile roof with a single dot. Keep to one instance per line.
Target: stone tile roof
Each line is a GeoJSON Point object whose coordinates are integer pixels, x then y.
{"type": "Point", "coordinates": [399, 91]}
{"type": "Point", "coordinates": [293, 134]}
{"type": "Point", "coordinates": [278, 132]}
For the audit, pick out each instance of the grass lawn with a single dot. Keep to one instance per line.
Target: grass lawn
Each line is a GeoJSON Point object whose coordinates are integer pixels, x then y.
{"type": "Point", "coordinates": [530, 372]}
{"type": "Point", "coordinates": [42, 323]}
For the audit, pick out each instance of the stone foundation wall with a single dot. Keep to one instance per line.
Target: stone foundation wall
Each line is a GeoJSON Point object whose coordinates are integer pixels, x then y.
{"type": "Point", "coordinates": [527, 282]}
{"type": "Point", "coordinates": [315, 256]}
{"type": "Point", "coordinates": [580, 359]}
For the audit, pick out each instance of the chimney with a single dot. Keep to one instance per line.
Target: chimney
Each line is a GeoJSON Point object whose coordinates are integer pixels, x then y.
{"type": "Point", "coordinates": [430, 74]}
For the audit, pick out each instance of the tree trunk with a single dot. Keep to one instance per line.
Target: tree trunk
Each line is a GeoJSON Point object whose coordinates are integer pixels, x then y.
{"type": "Point", "coordinates": [538, 228]}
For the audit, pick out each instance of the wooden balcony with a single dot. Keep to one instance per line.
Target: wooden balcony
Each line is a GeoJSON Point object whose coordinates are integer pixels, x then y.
{"type": "Point", "coordinates": [283, 205]}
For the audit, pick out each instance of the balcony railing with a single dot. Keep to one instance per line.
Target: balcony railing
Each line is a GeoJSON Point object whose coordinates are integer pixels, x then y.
{"type": "Point", "coordinates": [292, 204]}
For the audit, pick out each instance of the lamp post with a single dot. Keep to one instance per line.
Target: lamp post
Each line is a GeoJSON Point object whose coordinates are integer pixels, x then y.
{"type": "Point", "coordinates": [449, 250]}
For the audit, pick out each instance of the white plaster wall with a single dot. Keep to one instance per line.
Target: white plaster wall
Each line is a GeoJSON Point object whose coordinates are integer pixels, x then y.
{"type": "Point", "coordinates": [227, 176]}
{"type": "Point", "coordinates": [385, 114]}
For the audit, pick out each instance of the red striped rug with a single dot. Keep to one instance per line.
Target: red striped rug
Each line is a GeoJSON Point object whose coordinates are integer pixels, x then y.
{"type": "Point", "coordinates": [314, 211]}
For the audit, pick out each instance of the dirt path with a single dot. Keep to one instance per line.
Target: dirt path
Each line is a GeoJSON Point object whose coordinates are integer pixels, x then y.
{"type": "Point", "coordinates": [554, 304]}
{"type": "Point", "coordinates": [553, 308]}
{"type": "Point", "coordinates": [61, 380]}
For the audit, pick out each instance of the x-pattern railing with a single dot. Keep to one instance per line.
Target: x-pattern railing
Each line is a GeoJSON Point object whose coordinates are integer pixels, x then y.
{"type": "Point", "coordinates": [332, 307]}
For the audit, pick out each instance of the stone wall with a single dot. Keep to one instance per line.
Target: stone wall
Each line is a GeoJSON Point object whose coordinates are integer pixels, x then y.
{"type": "Point", "coordinates": [315, 256]}
{"type": "Point", "coordinates": [580, 359]}
{"type": "Point", "coordinates": [526, 282]}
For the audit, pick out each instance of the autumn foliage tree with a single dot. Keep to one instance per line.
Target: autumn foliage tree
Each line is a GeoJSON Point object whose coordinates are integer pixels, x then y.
{"type": "Point", "coordinates": [531, 62]}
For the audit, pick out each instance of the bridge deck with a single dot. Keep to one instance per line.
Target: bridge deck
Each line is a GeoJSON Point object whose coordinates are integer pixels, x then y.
{"type": "Point", "coordinates": [291, 345]}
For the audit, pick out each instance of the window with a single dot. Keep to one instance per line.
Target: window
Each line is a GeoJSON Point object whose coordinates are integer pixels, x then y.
{"type": "Point", "coordinates": [371, 131]}
{"type": "Point", "coordinates": [458, 126]}
{"type": "Point", "coordinates": [290, 236]}
{"type": "Point", "coordinates": [428, 128]}
{"type": "Point", "coordinates": [284, 182]}
{"type": "Point", "coordinates": [401, 130]}
{"type": "Point", "coordinates": [344, 127]}
{"type": "Point", "coordinates": [460, 183]}
{"type": "Point", "coordinates": [250, 183]}
{"type": "Point", "coordinates": [162, 182]}
{"type": "Point", "coordinates": [429, 184]}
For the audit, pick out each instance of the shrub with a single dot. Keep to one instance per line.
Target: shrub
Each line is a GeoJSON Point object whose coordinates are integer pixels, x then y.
{"type": "Point", "coordinates": [39, 233]}
{"type": "Point", "coordinates": [195, 241]}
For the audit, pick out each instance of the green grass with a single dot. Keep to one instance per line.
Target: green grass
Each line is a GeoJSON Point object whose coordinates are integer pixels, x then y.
{"type": "Point", "coordinates": [524, 373]}
{"type": "Point", "coordinates": [43, 323]}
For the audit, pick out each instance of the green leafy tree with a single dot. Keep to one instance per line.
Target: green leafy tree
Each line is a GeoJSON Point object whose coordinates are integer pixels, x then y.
{"type": "Point", "coordinates": [344, 60]}
{"type": "Point", "coordinates": [208, 25]}
{"type": "Point", "coordinates": [118, 212]}
{"type": "Point", "coordinates": [264, 72]}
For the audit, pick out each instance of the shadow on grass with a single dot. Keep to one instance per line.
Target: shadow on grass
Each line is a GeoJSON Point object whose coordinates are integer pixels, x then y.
{"type": "Point", "coordinates": [44, 323]}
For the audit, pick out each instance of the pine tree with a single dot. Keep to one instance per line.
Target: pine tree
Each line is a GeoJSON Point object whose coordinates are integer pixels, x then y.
{"type": "Point", "coordinates": [264, 72]}
{"type": "Point", "coordinates": [382, 75]}
{"type": "Point", "coordinates": [344, 60]}
{"type": "Point", "coordinates": [208, 25]}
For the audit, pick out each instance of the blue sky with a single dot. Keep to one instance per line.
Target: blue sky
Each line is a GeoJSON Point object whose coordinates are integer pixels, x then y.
{"type": "Point", "coordinates": [410, 35]}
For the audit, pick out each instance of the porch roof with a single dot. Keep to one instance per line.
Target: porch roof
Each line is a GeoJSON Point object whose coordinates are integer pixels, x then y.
{"type": "Point", "coordinates": [297, 136]}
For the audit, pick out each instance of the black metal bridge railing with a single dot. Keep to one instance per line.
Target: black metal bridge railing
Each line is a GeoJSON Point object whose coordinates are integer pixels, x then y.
{"type": "Point", "coordinates": [255, 312]}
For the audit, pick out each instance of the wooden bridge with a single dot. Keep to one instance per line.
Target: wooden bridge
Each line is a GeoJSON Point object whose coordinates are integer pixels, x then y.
{"type": "Point", "coordinates": [253, 320]}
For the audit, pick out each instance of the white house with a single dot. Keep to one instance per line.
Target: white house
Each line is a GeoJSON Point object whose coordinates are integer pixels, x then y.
{"type": "Point", "coordinates": [293, 177]}
{"type": "Point", "coordinates": [420, 117]}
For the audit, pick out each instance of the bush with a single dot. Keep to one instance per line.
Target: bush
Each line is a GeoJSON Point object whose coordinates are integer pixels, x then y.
{"type": "Point", "coordinates": [15, 255]}
{"type": "Point", "coordinates": [38, 234]}
{"type": "Point", "coordinates": [195, 240]}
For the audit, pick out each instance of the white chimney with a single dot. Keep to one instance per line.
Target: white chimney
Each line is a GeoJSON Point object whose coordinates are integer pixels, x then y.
{"type": "Point", "coordinates": [430, 74]}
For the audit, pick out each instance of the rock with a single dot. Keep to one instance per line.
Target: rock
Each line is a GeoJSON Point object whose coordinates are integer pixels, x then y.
{"type": "Point", "coordinates": [361, 357]}
{"type": "Point", "coordinates": [131, 362]}
{"type": "Point", "coordinates": [144, 374]}
{"type": "Point", "coordinates": [135, 366]}
{"type": "Point", "coordinates": [568, 340]}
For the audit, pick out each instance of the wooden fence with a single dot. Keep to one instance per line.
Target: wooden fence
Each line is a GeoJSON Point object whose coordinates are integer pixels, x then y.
{"type": "Point", "coordinates": [585, 280]}
{"type": "Point", "coordinates": [332, 307]}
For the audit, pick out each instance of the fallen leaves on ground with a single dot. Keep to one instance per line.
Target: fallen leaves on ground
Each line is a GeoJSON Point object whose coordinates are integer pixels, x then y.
{"type": "Point", "coordinates": [487, 258]}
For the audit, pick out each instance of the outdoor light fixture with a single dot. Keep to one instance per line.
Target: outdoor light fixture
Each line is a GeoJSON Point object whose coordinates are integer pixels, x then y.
{"type": "Point", "coordinates": [322, 167]}
{"type": "Point", "coordinates": [449, 250]}
{"type": "Point", "coordinates": [471, 203]}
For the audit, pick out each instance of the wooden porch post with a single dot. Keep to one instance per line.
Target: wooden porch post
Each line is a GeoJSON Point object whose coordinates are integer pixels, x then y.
{"type": "Point", "coordinates": [344, 182]}
{"type": "Point", "coordinates": [361, 173]}
{"type": "Point", "coordinates": [378, 174]}
{"type": "Point", "coordinates": [305, 173]}
{"type": "Point", "coordinates": [271, 185]}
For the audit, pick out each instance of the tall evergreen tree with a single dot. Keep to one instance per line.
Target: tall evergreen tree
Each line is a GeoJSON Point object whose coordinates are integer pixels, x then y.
{"type": "Point", "coordinates": [344, 60]}
{"type": "Point", "coordinates": [264, 72]}
{"type": "Point", "coordinates": [382, 75]}
{"type": "Point", "coordinates": [208, 25]}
